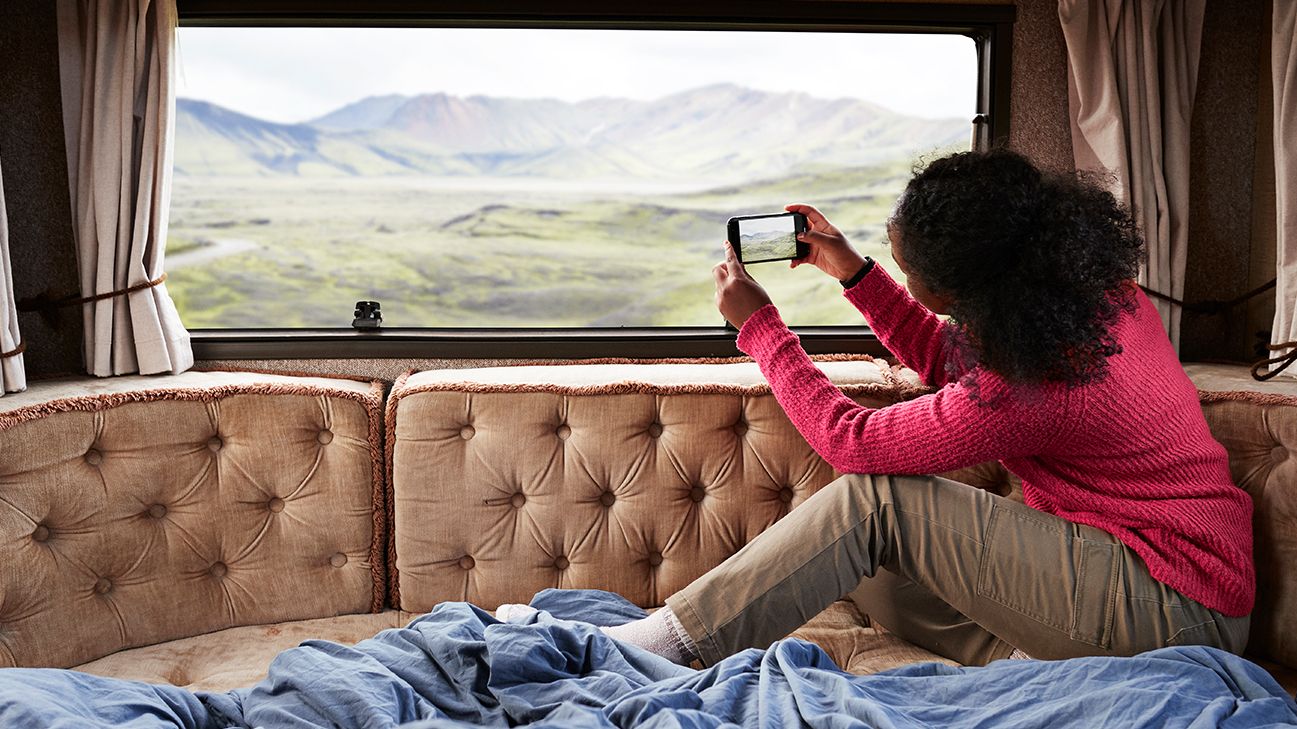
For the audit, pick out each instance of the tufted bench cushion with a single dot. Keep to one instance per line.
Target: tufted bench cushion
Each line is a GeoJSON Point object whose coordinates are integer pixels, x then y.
{"type": "Point", "coordinates": [638, 478]}
{"type": "Point", "coordinates": [507, 467]}
{"type": "Point", "coordinates": [137, 510]}
{"type": "Point", "coordinates": [626, 477]}
{"type": "Point", "coordinates": [236, 657]}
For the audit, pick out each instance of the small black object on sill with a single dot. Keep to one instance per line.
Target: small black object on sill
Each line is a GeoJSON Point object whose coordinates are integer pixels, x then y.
{"type": "Point", "coordinates": [369, 315]}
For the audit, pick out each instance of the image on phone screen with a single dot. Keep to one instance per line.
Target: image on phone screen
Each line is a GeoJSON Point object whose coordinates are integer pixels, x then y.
{"type": "Point", "coordinates": [767, 238]}
{"type": "Point", "coordinates": [772, 238]}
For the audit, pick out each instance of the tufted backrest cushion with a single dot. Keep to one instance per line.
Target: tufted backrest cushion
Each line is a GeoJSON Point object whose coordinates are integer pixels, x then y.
{"type": "Point", "coordinates": [639, 478]}
{"type": "Point", "coordinates": [138, 510]}
{"type": "Point", "coordinates": [630, 478]}
{"type": "Point", "coordinates": [1260, 433]}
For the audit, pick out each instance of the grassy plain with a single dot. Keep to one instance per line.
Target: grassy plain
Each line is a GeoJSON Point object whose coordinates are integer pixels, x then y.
{"type": "Point", "coordinates": [439, 252]}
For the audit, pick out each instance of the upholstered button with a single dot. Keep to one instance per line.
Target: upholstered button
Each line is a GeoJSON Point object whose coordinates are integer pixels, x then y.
{"type": "Point", "coordinates": [214, 443]}
{"type": "Point", "coordinates": [325, 437]}
{"type": "Point", "coordinates": [276, 504]}
{"type": "Point", "coordinates": [518, 500]}
{"type": "Point", "coordinates": [466, 432]}
{"type": "Point", "coordinates": [607, 498]}
{"type": "Point", "coordinates": [103, 586]}
{"type": "Point", "coordinates": [655, 558]}
{"type": "Point", "coordinates": [157, 511]}
{"type": "Point", "coordinates": [217, 570]}
{"type": "Point", "coordinates": [1279, 454]}
{"type": "Point", "coordinates": [697, 493]}
{"type": "Point", "coordinates": [561, 563]}
{"type": "Point", "coordinates": [466, 562]}
{"type": "Point", "coordinates": [94, 457]}
{"type": "Point", "coordinates": [786, 494]}
{"type": "Point", "coordinates": [41, 533]}
{"type": "Point", "coordinates": [563, 432]}
{"type": "Point", "coordinates": [338, 559]}
{"type": "Point", "coordinates": [655, 430]}
{"type": "Point", "coordinates": [740, 428]}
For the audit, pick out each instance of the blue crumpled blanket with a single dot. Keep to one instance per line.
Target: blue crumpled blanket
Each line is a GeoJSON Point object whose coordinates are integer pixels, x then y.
{"type": "Point", "coordinates": [458, 666]}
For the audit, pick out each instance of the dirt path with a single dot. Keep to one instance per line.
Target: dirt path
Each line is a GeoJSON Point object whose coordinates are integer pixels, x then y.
{"type": "Point", "coordinates": [218, 248]}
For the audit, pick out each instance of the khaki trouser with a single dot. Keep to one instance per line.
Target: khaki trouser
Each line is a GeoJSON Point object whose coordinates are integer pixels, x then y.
{"type": "Point", "coordinates": [959, 571]}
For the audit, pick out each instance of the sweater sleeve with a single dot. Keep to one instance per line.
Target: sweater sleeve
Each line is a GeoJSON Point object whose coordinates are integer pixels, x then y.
{"type": "Point", "coordinates": [906, 327]}
{"type": "Point", "coordinates": [930, 434]}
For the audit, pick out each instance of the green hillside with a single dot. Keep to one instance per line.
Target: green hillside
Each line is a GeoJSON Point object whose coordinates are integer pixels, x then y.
{"type": "Point", "coordinates": [436, 257]}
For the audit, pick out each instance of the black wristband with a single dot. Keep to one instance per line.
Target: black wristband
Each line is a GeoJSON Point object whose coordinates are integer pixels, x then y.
{"type": "Point", "coordinates": [869, 264]}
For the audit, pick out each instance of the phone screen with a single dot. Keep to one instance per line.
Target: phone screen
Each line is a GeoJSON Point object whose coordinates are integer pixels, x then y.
{"type": "Point", "coordinates": [771, 238]}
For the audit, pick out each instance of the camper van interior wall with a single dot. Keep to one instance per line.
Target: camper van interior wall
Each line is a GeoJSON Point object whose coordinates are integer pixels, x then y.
{"type": "Point", "coordinates": [982, 436]}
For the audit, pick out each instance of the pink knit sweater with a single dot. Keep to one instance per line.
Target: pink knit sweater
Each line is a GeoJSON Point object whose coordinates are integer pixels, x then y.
{"type": "Point", "coordinates": [1130, 454]}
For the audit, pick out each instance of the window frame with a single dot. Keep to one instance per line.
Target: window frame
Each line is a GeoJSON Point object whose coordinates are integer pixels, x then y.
{"type": "Point", "coordinates": [989, 26]}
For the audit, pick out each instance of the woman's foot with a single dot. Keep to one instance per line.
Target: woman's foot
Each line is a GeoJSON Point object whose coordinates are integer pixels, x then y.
{"type": "Point", "coordinates": [512, 612]}
{"type": "Point", "coordinates": [659, 633]}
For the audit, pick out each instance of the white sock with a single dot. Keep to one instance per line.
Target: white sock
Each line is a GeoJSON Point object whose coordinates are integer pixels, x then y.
{"type": "Point", "coordinates": [512, 612]}
{"type": "Point", "coordinates": [659, 633]}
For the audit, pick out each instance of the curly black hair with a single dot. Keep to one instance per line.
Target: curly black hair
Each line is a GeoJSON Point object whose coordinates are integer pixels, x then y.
{"type": "Point", "coordinates": [1036, 264]}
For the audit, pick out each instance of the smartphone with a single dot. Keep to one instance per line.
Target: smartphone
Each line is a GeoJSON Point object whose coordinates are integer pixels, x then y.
{"type": "Point", "coordinates": [761, 238]}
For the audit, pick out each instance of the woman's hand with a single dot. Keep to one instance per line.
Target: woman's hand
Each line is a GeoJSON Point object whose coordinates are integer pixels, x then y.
{"type": "Point", "coordinates": [830, 252]}
{"type": "Point", "coordinates": [738, 295]}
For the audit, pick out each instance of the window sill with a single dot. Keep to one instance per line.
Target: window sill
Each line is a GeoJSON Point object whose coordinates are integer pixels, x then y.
{"type": "Point", "coordinates": [228, 344]}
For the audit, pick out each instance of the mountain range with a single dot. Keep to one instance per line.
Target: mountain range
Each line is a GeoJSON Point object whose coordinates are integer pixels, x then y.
{"type": "Point", "coordinates": [714, 132]}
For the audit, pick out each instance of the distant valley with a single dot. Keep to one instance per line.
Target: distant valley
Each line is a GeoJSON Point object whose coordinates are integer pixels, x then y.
{"type": "Point", "coordinates": [715, 133]}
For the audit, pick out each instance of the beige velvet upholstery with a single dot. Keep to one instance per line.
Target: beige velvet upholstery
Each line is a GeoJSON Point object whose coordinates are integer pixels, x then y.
{"type": "Point", "coordinates": [236, 657]}
{"type": "Point", "coordinates": [630, 478]}
{"type": "Point", "coordinates": [637, 479]}
{"type": "Point", "coordinates": [160, 508]}
{"type": "Point", "coordinates": [856, 646]}
{"type": "Point", "coordinates": [497, 474]}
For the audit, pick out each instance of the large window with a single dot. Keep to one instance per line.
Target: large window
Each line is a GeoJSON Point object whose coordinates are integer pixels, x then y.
{"type": "Point", "coordinates": [570, 176]}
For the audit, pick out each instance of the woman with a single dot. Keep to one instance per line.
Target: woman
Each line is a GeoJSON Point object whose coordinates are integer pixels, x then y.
{"type": "Point", "coordinates": [1132, 537]}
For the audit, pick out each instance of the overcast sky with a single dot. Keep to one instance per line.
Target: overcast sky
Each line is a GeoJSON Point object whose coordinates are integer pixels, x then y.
{"type": "Point", "coordinates": [295, 74]}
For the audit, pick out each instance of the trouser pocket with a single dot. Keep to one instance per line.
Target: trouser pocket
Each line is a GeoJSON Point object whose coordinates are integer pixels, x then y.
{"type": "Point", "coordinates": [1093, 602]}
{"type": "Point", "coordinates": [1206, 633]}
{"type": "Point", "coordinates": [1035, 564]}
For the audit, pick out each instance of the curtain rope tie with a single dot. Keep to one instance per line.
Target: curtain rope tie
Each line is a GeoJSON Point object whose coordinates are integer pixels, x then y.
{"type": "Point", "coordinates": [1214, 306]}
{"type": "Point", "coordinates": [1283, 360]}
{"type": "Point", "coordinates": [22, 347]}
{"type": "Point", "coordinates": [45, 302]}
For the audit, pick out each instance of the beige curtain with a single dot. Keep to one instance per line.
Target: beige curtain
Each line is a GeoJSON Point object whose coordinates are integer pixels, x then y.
{"type": "Point", "coordinates": [1283, 74]}
{"type": "Point", "coordinates": [117, 63]}
{"type": "Point", "coordinates": [1132, 72]}
{"type": "Point", "coordinates": [12, 376]}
